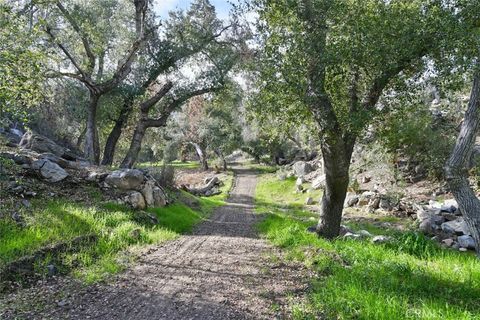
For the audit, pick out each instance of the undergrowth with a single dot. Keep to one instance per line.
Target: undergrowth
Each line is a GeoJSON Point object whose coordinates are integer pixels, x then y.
{"type": "Point", "coordinates": [410, 277]}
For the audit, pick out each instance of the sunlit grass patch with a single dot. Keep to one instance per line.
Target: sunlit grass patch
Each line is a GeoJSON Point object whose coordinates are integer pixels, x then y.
{"type": "Point", "coordinates": [411, 277]}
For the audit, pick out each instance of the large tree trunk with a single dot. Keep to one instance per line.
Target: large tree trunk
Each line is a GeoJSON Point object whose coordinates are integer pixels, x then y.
{"type": "Point", "coordinates": [135, 146]}
{"type": "Point", "coordinates": [336, 157]}
{"type": "Point", "coordinates": [456, 169]}
{"type": "Point", "coordinates": [92, 146]}
{"type": "Point", "coordinates": [202, 156]}
{"type": "Point", "coordinates": [114, 136]}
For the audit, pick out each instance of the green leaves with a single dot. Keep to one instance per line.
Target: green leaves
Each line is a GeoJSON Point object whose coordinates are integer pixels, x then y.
{"type": "Point", "coordinates": [20, 65]}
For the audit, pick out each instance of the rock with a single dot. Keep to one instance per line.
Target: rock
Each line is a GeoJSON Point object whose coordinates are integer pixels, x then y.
{"type": "Point", "coordinates": [364, 233]}
{"type": "Point", "coordinates": [136, 200]}
{"type": "Point", "coordinates": [427, 214]}
{"type": "Point", "coordinates": [351, 200]}
{"type": "Point", "coordinates": [427, 226]}
{"type": "Point", "coordinates": [282, 176]}
{"type": "Point", "coordinates": [301, 168]}
{"type": "Point", "coordinates": [344, 230]}
{"type": "Point", "coordinates": [466, 242]}
{"type": "Point", "coordinates": [126, 179]}
{"type": "Point", "coordinates": [299, 181]}
{"type": "Point", "coordinates": [312, 229]}
{"type": "Point", "coordinates": [40, 144]}
{"type": "Point", "coordinates": [147, 192]}
{"type": "Point", "coordinates": [462, 249]}
{"type": "Point", "coordinates": [319, 182]}
{"type": "Point", "coordinates": [374, 203]}
{"type": "Point", "coordinates": [350, 235]}
{"type": "Point", "coordinates": [449, 216]}
{"type": "Point", "coordinates": [385, 205]}
{"type": "Point", "coordinates": [365, 197]}
{"type": "Point", "coordinates": [458, 227]}
{"type": "Point", "coordinates": [159, 197]}
{"type": "Point", "coordinates": [309, 201]}
{"type": "Point", "coordinates": [381, 239]}
{"type": "Point", "coordinates": [448, 242]}
{"type": "Point", "coordinates": [51, 171]}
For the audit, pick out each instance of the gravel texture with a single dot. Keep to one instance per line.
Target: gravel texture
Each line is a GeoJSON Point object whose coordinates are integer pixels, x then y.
{"type": "Point", "coordinates": [223, 270]}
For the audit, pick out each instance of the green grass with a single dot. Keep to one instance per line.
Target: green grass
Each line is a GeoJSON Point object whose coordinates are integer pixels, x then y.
{"type": "Point", "coordinates": [409, 278]}
{"type": "Point", "coordinates": [281, 193]}
{"type": "Point", "coordinates": [120, 232]}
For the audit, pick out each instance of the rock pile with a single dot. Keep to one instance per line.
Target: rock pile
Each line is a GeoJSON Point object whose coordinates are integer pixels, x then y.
{"type": "Point", "coordinates": [445, 223]}
{"type": "Point", "coordinates": [53, 163]}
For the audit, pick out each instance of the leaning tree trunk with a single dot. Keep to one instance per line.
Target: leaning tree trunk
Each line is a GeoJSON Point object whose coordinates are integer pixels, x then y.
{"type": "Point", "coordinates": [135, 146]}
{"type": "Point", "coordinates": [92, 146]}
{"type": "Point", "coordinates": [201, 155]}
{"type": "Point", "coordinates": [456, 169]}
{"type": "Point", "coordinates": [336, 157]}
{"type": "Point", "coordinates": [114, 136]}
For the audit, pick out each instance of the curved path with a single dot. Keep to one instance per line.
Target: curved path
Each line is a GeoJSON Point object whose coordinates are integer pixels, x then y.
{"type": "Point", "coordinates": [221, 271]}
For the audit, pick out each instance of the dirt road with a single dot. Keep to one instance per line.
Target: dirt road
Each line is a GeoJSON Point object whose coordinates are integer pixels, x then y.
{"type": "Point", "coordinates": [221, 271]}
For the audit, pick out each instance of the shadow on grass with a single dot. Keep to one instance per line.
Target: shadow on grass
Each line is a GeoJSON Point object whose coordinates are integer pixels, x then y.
{"type": "Point", "coordinates": [410, 278]}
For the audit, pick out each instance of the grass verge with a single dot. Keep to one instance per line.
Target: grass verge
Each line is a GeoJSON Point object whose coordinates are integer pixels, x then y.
{"type": "Point", "coordinates": [119, 232]}
{"type": "Point", "coordinates": [409, 278]}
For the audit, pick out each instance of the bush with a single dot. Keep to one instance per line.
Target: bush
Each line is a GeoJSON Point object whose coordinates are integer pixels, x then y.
{"type": "Point", "coordinates": [420, 136]}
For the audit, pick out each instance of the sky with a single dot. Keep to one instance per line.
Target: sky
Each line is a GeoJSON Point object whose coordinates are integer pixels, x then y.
{"type": "Point", "coordinates": [162, 7]}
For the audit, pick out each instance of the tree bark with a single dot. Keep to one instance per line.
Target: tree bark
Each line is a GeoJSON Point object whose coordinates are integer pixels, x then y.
{"type": "Point", "coordinates": [92, 146]}
{"type": "Point", "coordinates": [114, 136]}
{"type": "Point", "coordinates": [201, 155]}
{"type": "Point", "coordinates": [81, 137]}
{"type": "Point", "coordinates": [135, 146]}
{"type": "Point", "coordinates": [336, 156]}
{"type": "Point", "coordinates": [456, 168]}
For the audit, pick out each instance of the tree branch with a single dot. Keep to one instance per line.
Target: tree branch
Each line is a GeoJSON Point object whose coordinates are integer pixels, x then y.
{"type": "Point", "coordinates": [83, 37]}
{"type": "Point", "coordinates": [149, 103]}
{"type": "Point", "coordinates": [165, 114]}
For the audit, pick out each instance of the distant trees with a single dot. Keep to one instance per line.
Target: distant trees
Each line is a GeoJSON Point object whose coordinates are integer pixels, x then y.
{"type": "Point", "coordinates": [193, 57]}
{"type": "Point", "coordinates": [210, 126]}
{"type": "Point", "coordinates": [334, 61]}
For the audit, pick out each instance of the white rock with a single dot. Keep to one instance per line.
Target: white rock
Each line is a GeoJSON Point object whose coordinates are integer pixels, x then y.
{"type": "Point", "coordinates": [126, 179]}
{"type": "Point", "coordinates": [381, 239]}
{"type": "Point", "coordinates": [51, 171]}
{"type": "Point", "coordinates": [309, 201]}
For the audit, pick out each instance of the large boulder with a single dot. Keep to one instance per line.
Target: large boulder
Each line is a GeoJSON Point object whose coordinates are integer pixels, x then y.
{"type": "Point", "coordinates": [49, 170]}
{"type": "Point", "coordinates": [126, 179]}
{"type": "Point", "coordinates": [301, 168]}
{"type": "Point", "coordinates": [319, 182]}
{"type": "Point", "coordinates": [458, 227]}
{"type": "Point", "coordinates": [41, 144]}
